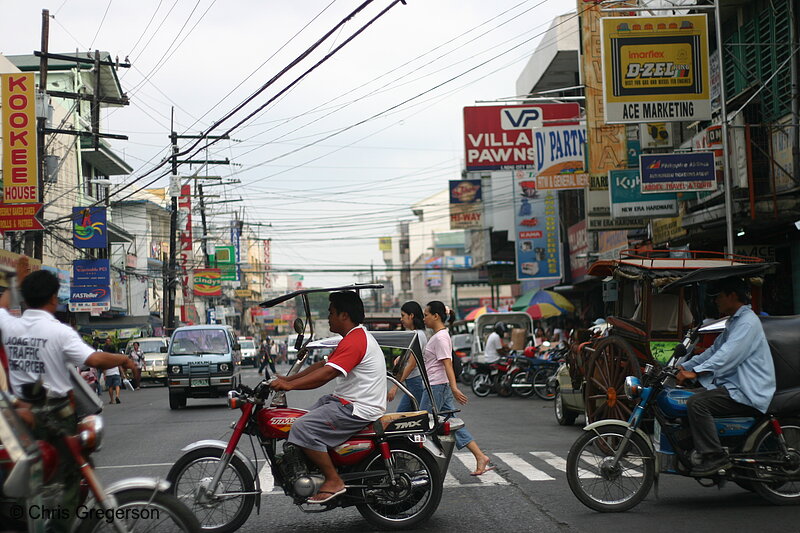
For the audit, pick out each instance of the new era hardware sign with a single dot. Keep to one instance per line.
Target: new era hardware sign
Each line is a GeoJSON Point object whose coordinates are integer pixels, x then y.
{"type": "Point", "coordinates": [20, 173]}
{"type": "Point", "coordinates": [655, 69]}
{"type": "Point", "coordinates": [679, 172]}
{"type": "Point", "coordinates": [627, 200]}
{"type": "Point", "coordinates": [501, 137]}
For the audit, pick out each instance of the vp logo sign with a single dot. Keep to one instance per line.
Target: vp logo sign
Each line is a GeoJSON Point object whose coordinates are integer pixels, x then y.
{"type": "Point", "coordinates": [521, 118]}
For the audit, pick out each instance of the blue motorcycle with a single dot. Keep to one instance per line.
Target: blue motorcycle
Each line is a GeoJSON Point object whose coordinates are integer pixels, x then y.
{"type": "Point", "coordinates": [613, 464]}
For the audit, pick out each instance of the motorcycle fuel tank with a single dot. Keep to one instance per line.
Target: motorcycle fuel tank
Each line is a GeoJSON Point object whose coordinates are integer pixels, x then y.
{"type": "Point", "coordinates": [275, 423]}
{"type": "Point", "coordinates": [673, 402]}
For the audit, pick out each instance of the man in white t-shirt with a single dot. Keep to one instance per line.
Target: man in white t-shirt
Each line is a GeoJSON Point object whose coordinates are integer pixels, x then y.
{"type": "Point", "coordinates": [39, 347]}
{"type": "Point", "coordinates": [358, 398]}
{"type": "Point", "coordinates": [495, 347]}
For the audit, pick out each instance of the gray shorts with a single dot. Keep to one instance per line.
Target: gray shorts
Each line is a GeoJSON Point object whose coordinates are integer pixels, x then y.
{"type": "Point", "coordinates": [327, 424]}
{"type": "Point", "coordinates": [113, 381]}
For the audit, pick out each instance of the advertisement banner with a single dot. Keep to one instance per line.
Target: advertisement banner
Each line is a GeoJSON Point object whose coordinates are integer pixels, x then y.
{"type": "Point", "coordinates": [267, 264]}
{"type": "Point", "coordinates": [655, 69]}
{"type": "Point", "coordinates": [19, 217]}
{"type": "Point", "coordinates": [91, 286]}
{"type": "Point", "coordinates": [207, 282]}
{"type": "Point", "coordinates": [627, 200]}
{"type": "Point", "coordinates": [20, 169]}
{"type": "Point", "coordinates": [466, 204]}
{"type": "Point", "coordinates": [598, 208]}
{"type": "Point", "coordinates": [611, 243]}
{"type": "Point", "coordinates": [385, 244]}
{"type": "Point", "coordinates": [537, 234]}
{"type": "Point", "coordinates": [678, 172]}
{"type": "Point", "coordinates": [434, 277]}
{"type": "Point", "coordinates": [578, 246]}
{"type": "Point", "coordinates": [185, 255]}
{"type": "Point", "coordinates": [559, 149]}
{"type": "Point", "coordinates": [236, 234]}
{"type": "Point", "coordinates": [243, 293]}
{"type": "Point", "coordinates": [119, 291]}
{"type": "Point", "coordinates": [656, 135]}
{"type": "Point", "coordinates": [501, 137]}
{"type": "Point", "coordinates": [89, 227]}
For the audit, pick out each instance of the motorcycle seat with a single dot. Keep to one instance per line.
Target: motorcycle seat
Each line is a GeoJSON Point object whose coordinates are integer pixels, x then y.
{"type": "Point", "coordinates": [398, 421]}
{"type": "Point", "coordinates": [783, 337]}
{"type": "Point", "coordinates": [388, 418]}
{"type": "Point", "coordinates": [785, 401]}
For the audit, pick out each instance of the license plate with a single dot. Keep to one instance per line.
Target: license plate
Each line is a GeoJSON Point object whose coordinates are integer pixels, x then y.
{"type": "Point", "coordinates": [199, 382]}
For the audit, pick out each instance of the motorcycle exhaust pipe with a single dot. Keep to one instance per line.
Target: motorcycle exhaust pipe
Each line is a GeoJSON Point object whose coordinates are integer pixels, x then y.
{"type": "Point", "coordinates": [309, 485]}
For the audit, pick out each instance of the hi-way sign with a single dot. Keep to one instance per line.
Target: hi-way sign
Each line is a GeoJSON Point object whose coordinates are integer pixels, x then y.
{"type": "Point", "coordinates": [501, 137]}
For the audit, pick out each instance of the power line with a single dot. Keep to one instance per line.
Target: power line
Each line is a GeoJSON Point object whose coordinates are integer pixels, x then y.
{"type": "Point", "coordinates": [108, 6]}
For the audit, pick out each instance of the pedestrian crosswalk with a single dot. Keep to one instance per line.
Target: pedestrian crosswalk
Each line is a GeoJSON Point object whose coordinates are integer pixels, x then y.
{"type": "Point", "coordinates": [510, 468]}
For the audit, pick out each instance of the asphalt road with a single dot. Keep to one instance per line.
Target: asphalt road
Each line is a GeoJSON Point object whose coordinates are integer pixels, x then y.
{"type": "Point", "coordinates": [528, 492]}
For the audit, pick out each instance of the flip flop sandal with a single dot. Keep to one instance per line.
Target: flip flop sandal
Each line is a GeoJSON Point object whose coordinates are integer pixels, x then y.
{"type": "Point", "coordinates": [329, 498]}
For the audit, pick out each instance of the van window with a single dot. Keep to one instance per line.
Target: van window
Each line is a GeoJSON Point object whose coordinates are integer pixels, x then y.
{"type": "Point", "coordinates": [194, 341]}
{"type": "Point", "coordinates": [247, 345]}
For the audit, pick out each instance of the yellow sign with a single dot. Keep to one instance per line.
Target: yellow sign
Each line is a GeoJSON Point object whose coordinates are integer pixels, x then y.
{"type": "Point", "coordinates": [385, 244]}
{"type": "Point", "coordinates": [667, 229]}
{"type": "Point", "coordinates": [20, 176]}
{"type": "Point", "coordinates": [655, 69]}
{"type": "Point", "coordinates": [243, 293]}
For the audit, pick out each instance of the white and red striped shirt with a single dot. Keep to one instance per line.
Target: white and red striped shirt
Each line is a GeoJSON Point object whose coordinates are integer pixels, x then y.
{"type": "Point", "coordinates": [359, 359]}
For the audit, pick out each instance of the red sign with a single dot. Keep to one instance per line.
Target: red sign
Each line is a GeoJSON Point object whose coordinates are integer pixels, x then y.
{"type": "Point", "coordinates": [19, 217]}
{"type": "Point", "coordinates": [578, 245]}
{"type": "Point", "coordinates": [184, 257]}
{"type": "Point", "coordinates": [501, 137]}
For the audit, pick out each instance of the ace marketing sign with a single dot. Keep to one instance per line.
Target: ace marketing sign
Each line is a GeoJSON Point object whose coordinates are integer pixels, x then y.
{"type": "Point", "coordinates": [501, 137]}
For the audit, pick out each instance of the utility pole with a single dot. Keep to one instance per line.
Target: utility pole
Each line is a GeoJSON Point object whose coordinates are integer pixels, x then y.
{"type": "Point", "coordinates": [38, 236]}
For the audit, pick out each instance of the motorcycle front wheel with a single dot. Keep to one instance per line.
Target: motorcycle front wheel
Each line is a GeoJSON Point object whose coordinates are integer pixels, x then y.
{"type": "Point", "coordinates": [599, 483]}
{"type": "Point", "coordinates": [482, 385]}
{"type": "Point", "coordinates": [142, 510]}
{"type": "Point", "coordinates": [521, 384]}
{"type": "Point", "coordinates": [220, 514]}
{"type": "Point", "coordinates": [540, 385]}
{"type": "Point", "coordinates": [415, 496]}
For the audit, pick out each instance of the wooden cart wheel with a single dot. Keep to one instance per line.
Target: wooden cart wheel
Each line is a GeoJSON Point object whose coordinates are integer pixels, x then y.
{"type": "Point", "coordinates": [604, 393]}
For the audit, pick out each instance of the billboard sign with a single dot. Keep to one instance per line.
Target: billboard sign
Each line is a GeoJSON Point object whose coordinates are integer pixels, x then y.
{"type": "Point", "coordinates": [207, 282]}
{"type": "Point", "coordinates": [655, 69]}
{"type": "Point", "coordinates": [466, 204]}
{"type": "Point", "coordinates": [89, 227]}
{"type": "Point", "coordinates": [20, 169]}
{"type": "Point", "coordinates": [501, 137]}
{"type": "Point", "coordinates": [627, 200]}
{"type": "Point", "coordinates": [537, 235]}
{"type": "Point", "coordinates": [678, 172]}
{"type": "Point", "coordinates": [19, 217]}
{"type": "Point", "coordinates": [598, 208]}
{"type": "Point", "coordinates": [226, 262]}
{"type": "Point", "coordinates": [91, 286]}
{"type": "Point", "coordinates": [578, 246]}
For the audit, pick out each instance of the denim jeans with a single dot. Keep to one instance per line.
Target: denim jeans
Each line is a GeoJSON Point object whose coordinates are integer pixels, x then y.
{"type": "Point", "coordinates": [415, 386]}
{"type": "Point", "coordinates": [445, 402]}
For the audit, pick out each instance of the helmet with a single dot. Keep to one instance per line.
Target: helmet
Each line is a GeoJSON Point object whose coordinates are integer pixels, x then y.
{"type": "Point", "coordinates": [500, 328]}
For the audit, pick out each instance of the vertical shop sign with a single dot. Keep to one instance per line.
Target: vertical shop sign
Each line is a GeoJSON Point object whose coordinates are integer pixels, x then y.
{"type": "Point", "coordinates": [537, 235]}
{"type": "Point", "coordinates": [185, 251]}
{"type": "Point", "coordinates": [20, 169]}
{"type": "Point", "coordinates": [267, 264]}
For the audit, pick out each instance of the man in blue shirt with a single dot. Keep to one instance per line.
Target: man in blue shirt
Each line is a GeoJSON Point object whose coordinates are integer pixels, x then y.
{"type": "Point", "coordinates": [737, 373]}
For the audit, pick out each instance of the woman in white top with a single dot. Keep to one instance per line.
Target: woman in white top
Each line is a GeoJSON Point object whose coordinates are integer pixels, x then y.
{"type": "Point", "coordinates": [438, 356]}
{"type": "Point", "coordinates": [411, 318]}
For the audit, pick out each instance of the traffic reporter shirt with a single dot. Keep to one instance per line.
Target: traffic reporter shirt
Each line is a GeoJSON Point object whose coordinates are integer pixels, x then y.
{"type": "Point", "coordinates": [39, 346]}
{"type": "Point", "coordinates": [359, 359]}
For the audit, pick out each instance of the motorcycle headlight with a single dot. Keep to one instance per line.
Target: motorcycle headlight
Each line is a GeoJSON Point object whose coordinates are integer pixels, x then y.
{"type": "Point", "coordinates": [175, 369]}
{"type": "Point", "coordinates": [224, 367]}
{"type": "Point", "coordinates": [90, 430]}
{"type": "Point", "coordinates": [633, 387]}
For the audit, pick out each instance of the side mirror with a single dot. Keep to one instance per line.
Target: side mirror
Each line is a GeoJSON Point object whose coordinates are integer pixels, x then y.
{"type": "Point", "coordinates": [299, 326]}
{"type": "Point", "coordinates": [164, 349]}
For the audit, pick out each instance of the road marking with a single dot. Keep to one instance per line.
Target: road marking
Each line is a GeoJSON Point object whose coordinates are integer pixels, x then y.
{"type": "Point", "coordinates": [552, 459]}
{"type": "Point", "coordinates": [450, 481]}
{"type": "Point", "coordinates": [132, 466]}
{"type": "Point", "coordinates": [520, 465]}
{"type": "Point", "coordinates": [489, 478]}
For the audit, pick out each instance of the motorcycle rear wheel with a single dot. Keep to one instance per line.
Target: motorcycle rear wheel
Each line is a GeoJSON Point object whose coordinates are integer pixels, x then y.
{"type": "Point", "coordinates": [416, 497]}
{"type": "Point", "coordinates": [779, 493]}
{"type": "Point", "coordinates": [482, 385]}
{"type": "Point", "coordinates": [600, 486]}
{"type": "Point", "coordinates": [223, 515]}
{"type": "Point", "coordinates": [144, 511]}
{"type": "Point", "coordinates": [524, 379]}
{"type": "Point", "coordinates": [540, 385]}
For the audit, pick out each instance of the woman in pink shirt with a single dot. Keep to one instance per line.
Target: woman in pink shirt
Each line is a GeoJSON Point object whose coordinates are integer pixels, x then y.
{"type": "Point", "coordinates": [438, 356]}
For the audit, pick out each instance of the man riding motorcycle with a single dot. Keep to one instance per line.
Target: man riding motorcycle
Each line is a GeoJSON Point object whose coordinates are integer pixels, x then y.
{"type": "Point", "coordinates": [737, 372]}
{"type": "Point", "coordinates": [358, 398]}
{"type": "Point", "coordinates": [39, 348]}
{"type": "Point", "coordinates": [495, 347]}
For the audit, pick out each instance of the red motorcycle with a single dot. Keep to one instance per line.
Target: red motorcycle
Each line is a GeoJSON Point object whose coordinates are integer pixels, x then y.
{"type": "Point", "coordinates": [393, 468]}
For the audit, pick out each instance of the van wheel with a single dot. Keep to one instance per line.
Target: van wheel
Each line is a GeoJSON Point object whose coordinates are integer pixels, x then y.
{"type": "Point", "coordinates": [176, 400]}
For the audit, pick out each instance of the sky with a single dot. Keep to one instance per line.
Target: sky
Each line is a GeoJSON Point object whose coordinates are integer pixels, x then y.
{"type": "Point", "coordinates": [334, 163]}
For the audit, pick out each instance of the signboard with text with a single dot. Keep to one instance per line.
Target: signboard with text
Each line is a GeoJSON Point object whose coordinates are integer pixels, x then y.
{"type": "Point", "coordinates": [19, 217]}
{"type": "Point", "coordinates": [537, 235]}
{"type": "Point", "coordinates": [678, 172]}
{"type": "Point", "coordinates": [655, 69]}
{"type": "Point", "coordinates": [207, 282]}
{"type": "Point", "coordinates": [20, 169]}
{"type": "Point", "coordinates": [91, 286]}
{"type": "Point", "coordinates": [628, 201]}
{"type": "Point", "coordinates": [501, 137]}
{"type": "Point", "coordinates": [466, 204]}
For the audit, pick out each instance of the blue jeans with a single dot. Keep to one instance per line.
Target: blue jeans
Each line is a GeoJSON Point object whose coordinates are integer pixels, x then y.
{"type": "Point", "coordinates": [414, 385]}
{"type": "Point", "coordinates": [445, 402]}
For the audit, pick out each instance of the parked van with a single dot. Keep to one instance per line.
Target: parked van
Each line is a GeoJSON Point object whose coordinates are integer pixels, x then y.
{"type": "Point", "coordinates": [203, 362]}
